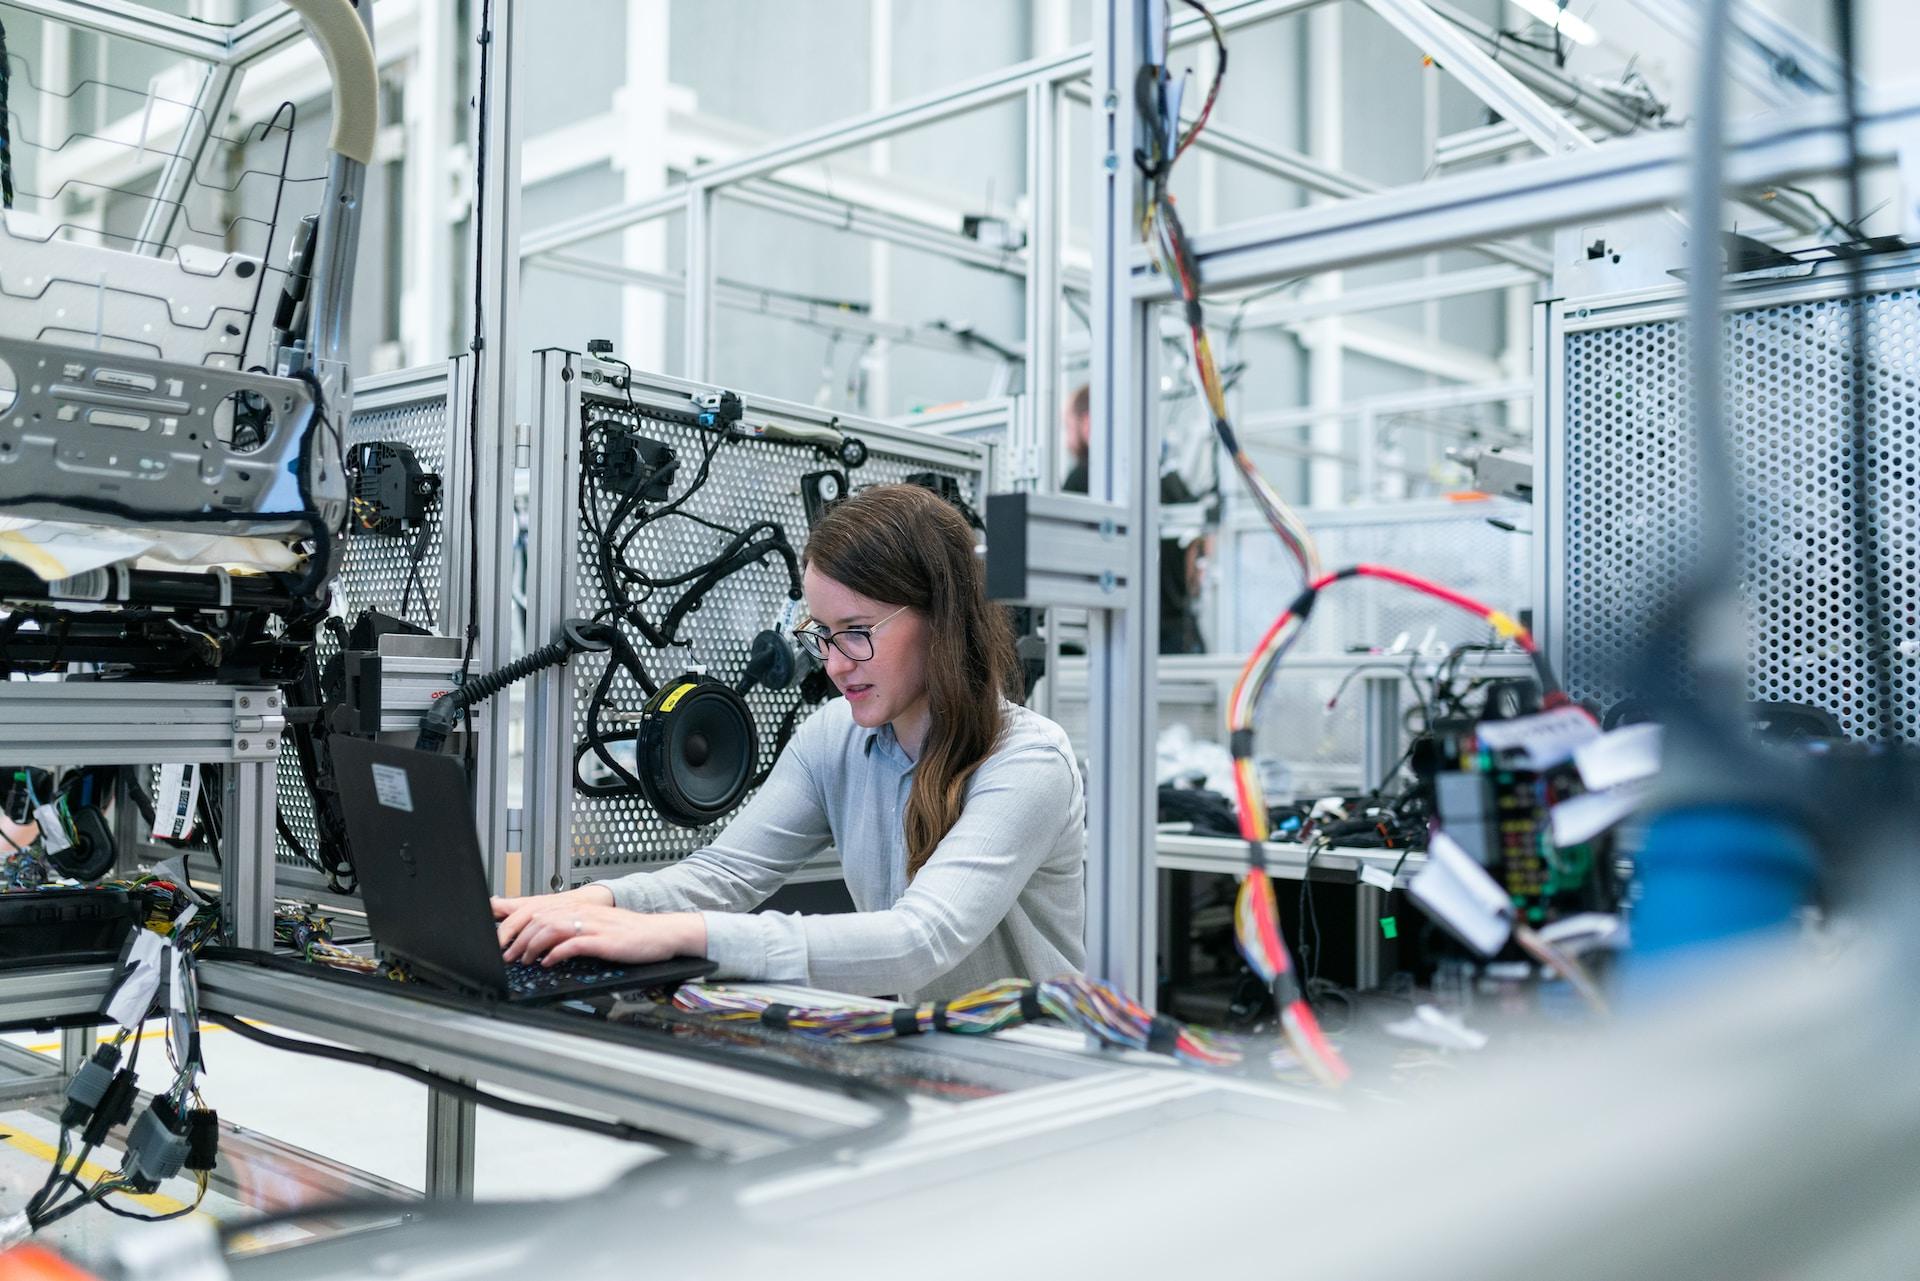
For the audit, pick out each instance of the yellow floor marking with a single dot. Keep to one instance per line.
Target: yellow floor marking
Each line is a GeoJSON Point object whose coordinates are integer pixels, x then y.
{"type": "Point", "coordinates": [52, 1047]}
{"type": "Point", "coordinates": [89, 1172]}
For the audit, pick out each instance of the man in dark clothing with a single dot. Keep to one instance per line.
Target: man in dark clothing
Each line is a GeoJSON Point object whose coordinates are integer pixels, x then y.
{"type": "Point", "coordinates": [1179, 566]}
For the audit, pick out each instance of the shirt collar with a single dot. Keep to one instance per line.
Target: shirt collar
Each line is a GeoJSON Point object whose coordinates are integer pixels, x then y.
{"type": "Point", "coordinates": [889, 745]}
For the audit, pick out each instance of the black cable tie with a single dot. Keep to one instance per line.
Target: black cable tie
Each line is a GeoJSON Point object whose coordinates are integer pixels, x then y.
{"type": "Point", "coordinates": [1240, 744]}
{"type": "Point", "coordinates": [906, 1021]}
{"type": "Point", "coordinates": [1286, 990]}
{"type": "Point", "coordinates": [1302, 605]}
{"type": "Point", "coordinates": [1163, 1035]}
{"type": "Point", "coordinates": [940, 1017]}
{"type": "Point", "coordinates": [776, 1015]}
{"type": "Point", "coordinates": [1257, 855]}
{"type": "Point", "coordinates": [1030, 1008]}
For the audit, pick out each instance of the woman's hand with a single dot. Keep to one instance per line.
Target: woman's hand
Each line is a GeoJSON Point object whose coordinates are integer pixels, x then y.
{"type": "Point", "coordinates": [514, 913]}
{"type": "Point", "coordinates": [550, 928]}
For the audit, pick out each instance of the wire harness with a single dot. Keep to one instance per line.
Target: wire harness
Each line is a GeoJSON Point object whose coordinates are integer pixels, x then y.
{"type": "Point", "coordinates": [1093, 1007]}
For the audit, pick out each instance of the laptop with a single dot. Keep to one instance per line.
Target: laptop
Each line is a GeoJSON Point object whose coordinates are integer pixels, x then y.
{"type": "Point", "coordinates": [416, 850]}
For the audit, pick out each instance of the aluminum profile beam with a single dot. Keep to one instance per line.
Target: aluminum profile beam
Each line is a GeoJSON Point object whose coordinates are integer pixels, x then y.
{"type": "Point", "coordinates": [1624, 176]}
{"type": "Point", "coordinates": [1122, 884]}
{"type": "Point", "coordinates": [1422, 400]}
{"type": "Point", "coordinates": [486, 395]}
{"type": "Point", "coordinates": [1492, 83]}
{"type": "Point", "coordinates": [1617, 114]}
{"type": "Point", "coordinates": [1297, 167]}
{"type": "Point", "coordinates": [40, 995]}
{"type": "Point", "coordinates": [709, 1103]}
{"type": "Point", "coordinates": [150, 27]}
{"type": "Point", "coordinates": [762, 193]}
{"type": "Point", "coordinates": [1775, 63]}
{"type": "Point", "coordinates": [1033, 440]}
{"type": "Point", "coordinates": [266, 33]}
{"type": "Point", "coordinates": [1005, 85]}
{"type": "Point", "coordinates": [746, 298]}
{"type": "Point", "coordinates": [1455, 284]}
{"type": "Point", "coordinates": [231, 46]}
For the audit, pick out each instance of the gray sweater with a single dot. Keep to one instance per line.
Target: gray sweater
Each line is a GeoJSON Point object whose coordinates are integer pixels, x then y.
{"type": "Point", "coordinates": [1003, 895]}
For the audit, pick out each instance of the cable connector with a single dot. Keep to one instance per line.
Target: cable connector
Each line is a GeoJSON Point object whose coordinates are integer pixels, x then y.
{"type": "Point", "coordinates": [116, 1105]}
{"type": "Point", "coordinates": [156, 1146]}
{"type": "Point", "coordinates": [89, 1086]}
{"type": "Point", "coordinates": [721, 409]}
{"type": "Point", "coordinates": [203, 1138]}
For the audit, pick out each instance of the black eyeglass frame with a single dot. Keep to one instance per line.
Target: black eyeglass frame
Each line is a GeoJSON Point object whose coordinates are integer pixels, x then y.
{"type": "Point", "coordinates": [816, 639]}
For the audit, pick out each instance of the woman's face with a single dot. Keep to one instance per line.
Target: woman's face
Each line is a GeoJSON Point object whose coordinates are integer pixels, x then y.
{"type": "Point", "coordinates": [891, 684]}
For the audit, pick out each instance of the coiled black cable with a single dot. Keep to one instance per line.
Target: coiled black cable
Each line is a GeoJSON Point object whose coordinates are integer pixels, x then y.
{"type": "Point", "coordinates": [6, 138]}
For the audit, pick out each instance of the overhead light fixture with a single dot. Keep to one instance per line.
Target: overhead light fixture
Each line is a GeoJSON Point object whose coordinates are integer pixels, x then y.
{"type": "Point", "coordinates": [1578, 30]}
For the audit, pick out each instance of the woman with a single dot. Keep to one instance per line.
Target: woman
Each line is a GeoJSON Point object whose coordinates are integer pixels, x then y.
{"type": "Point", "coordinates": [959, 816]}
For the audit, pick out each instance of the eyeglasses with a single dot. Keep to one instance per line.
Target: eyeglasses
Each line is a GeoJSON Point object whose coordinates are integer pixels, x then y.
{"type": "Point", "coordinates": [856, 643]}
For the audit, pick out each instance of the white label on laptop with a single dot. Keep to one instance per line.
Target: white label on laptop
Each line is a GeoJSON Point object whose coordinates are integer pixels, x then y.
{"type": "Point", "coordinates": [390, 788]}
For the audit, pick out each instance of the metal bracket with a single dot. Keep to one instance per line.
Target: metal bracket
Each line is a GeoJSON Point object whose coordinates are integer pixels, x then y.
{"type": "Point", "coordinates": [258, 723]}
{"type": "Point", "coordinates": [1051, 549]}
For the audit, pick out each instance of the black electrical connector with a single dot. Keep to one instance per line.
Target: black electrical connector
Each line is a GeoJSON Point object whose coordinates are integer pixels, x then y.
{"type": "Point", "coordinates": [115, 1106]}
{"type": "Point", "coordinates": [89, 1086]}
{"type": "Point", "coordinates": [203, 1138]}
{"type": "Point", "coordinates": [635, 466]}
{"type": "Point", "coordinates": [391, 491]}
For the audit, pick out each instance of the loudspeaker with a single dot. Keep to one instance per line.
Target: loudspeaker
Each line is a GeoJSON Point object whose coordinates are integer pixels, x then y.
{"type": "Point", "coordinates": [90, 856]}
{"type": "Point", "coordinates": [696, 750]}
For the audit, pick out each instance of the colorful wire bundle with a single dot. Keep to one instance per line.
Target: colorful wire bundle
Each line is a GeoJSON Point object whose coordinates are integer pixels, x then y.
{"type": "Point", "coordinates": [1256, 915]}
{"type": "Point", "coordinates": [1117, 1019]}
{"type": "Point", "coordinates": [1093, 1007]}
{"type": "Point", "coordinates": [1161, 224]}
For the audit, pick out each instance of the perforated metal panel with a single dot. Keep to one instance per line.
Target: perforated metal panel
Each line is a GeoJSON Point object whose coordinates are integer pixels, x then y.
{"type": "Point", "coordinates": [1629, 491]}
{"type": "Point", "coordinates": [1451, 543]}
{"type": "Point", "coordinates": [414, 408]}
{"type": "Point", "coordinates": [749, 480]}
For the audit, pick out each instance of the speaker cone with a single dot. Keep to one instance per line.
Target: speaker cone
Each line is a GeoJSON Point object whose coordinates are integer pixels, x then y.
{"type": "Point", "coordinates": [697, 750]}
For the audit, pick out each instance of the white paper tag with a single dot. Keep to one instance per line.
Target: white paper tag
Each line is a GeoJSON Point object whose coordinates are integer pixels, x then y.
{"type": "Point", "coordinates": [53, 832]}
{"type": "Point", "coordinates": [1627, 755]}
{"type": "Point", "coordinates": [1581, 818]}
{"type": "Point", "coordinates": [390, 788]}
{"type": "Point", "coordinates": [1459, 894]}
{"type": "Point", "coordinates": [94, 584]}
{"type": "Point", "coordinates": [1378, 877]}
{"type": "Point", "coordinates": [144, 968]}
{"type": "Point", "coordinates": [175, 802]}
{"type": "Point", "coordinates": [1540, 741]}
{"type": "Point", "coordinates": [1430, 1025]}
{"type": "Point", "coordinates": [176, 979]}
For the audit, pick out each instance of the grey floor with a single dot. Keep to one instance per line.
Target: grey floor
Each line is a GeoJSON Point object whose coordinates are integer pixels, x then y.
{"type": "Point", "coordinates": [356, 1117]}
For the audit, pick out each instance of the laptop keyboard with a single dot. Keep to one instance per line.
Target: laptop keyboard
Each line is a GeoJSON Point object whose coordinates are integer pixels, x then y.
{"type": "Point", "coordinates": [525, 979]}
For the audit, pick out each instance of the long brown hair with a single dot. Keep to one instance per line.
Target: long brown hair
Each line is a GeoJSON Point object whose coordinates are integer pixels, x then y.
{"type": "Point", "coordinates": [905, 545]}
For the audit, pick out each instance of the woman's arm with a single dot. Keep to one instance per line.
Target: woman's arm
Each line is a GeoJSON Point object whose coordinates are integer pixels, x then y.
{"type": "Point", "coordinates": [1016, 811]}
{"type": "Point", "coordinates": [783, 826]}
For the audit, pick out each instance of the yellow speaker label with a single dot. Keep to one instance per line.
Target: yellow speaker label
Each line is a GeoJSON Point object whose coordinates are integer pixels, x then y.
{"type": "Point", "coordinates": [667, 703]}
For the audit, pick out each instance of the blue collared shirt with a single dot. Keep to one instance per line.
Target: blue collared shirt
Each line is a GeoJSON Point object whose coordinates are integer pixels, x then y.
{"type": "Point", "coordinates": [1003, 895]}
